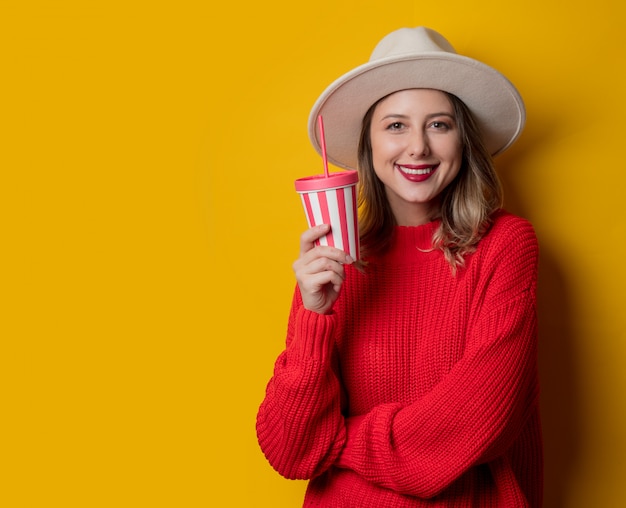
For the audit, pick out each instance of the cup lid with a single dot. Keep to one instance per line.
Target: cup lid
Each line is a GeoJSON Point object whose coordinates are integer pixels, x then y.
{"type": "Point", "coordinates": [332, 181]}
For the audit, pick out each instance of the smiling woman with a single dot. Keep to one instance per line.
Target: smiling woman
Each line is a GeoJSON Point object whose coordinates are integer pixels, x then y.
{"type": "Point", "coordinates": [414, 376]}
{"type": "Point", "coordinates": [416, 152]}
{"type": "Point", "coordinates": [477, 193]}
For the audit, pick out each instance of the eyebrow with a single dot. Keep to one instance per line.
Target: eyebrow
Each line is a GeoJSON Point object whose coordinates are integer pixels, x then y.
{"type": "Point", "coordinates": [431, 115]}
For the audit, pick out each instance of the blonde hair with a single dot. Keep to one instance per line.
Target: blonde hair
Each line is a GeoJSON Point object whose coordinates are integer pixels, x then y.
{"type": "Point", "coordinates": [467, 203]}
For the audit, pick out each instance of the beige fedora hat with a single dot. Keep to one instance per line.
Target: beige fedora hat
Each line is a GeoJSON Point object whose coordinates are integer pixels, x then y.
{"type": "Point", "coordinates": [415, 58]}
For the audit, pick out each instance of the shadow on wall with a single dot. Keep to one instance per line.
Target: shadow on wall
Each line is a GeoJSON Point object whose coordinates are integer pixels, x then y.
{"type": "Point", "coordinates": [557, 367]}
{"type": "Point", "coordinates": [557, 354]}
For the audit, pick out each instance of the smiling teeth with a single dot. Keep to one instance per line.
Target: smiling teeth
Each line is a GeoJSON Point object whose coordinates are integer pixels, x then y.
{"type": "Point", "coordinates": [416, 171]}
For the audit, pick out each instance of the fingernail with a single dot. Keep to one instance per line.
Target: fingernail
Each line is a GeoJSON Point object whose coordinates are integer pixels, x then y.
{"type": "Point", "coordinates": [349, 260]}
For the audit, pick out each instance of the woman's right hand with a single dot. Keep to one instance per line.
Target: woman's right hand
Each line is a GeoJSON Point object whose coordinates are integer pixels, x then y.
{"type": "Point", "coordinates": [319, 271]}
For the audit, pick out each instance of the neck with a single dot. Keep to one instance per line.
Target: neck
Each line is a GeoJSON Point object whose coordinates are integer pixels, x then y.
{"type": "Point", "coordinates": [416, 214]}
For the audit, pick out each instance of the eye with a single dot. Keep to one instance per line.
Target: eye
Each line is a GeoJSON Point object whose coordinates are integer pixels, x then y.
{"type": "Point", "coordinates": [395, 126]}
{"type": "Point", "coordinates": [438, 125]}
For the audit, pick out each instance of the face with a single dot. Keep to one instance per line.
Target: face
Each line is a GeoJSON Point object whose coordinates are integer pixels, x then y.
{"type": "Point", "coordinates": [416, 151]}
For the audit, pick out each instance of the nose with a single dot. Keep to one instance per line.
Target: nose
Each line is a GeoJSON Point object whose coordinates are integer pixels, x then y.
{"type": "Point", "coordinates": [418, 145]}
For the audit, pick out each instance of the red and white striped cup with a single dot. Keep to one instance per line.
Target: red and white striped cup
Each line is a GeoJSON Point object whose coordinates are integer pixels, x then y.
{"type": "Point", "coordinates": [332, 200]}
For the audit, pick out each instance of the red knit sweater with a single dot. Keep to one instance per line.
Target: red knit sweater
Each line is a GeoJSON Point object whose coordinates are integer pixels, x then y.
{"type": "Point", "coordinates": [420, 389]}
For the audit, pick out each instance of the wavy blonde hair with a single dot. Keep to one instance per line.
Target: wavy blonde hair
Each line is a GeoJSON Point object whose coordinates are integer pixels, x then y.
{"type": "Point", "coordinates": [467, 203]}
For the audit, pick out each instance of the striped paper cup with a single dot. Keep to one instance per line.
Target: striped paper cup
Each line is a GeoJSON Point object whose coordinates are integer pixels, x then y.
{"type": "Point", "coordinates": [332, 200]}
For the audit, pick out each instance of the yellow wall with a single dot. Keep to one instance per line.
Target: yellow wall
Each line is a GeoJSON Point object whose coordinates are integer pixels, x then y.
{"type": "Point", "coordinates": [149, 221]}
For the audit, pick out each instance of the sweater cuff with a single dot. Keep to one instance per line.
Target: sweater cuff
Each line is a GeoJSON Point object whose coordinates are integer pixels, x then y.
{"type": "Point", "coordinates": [314, 335]}
{"type": "Point", "coordinates": [347, 455]}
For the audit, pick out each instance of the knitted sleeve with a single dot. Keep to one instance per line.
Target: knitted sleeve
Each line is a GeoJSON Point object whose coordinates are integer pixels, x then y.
{"type": "Point", "coordinates": [300, 427]}
{"type": "Point", "coordinates": [479, 408]}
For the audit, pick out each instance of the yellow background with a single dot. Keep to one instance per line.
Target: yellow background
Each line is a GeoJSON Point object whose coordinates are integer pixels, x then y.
{"type": "Point", "coordinates": [149, 222]}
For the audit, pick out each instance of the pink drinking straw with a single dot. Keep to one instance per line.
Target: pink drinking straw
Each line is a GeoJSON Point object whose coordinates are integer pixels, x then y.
{"type": "Point", "coordinates": [320, 122]}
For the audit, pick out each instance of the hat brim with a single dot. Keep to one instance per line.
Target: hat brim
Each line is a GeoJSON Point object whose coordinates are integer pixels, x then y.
{"type": "Point", "coordinates": [492, 98]}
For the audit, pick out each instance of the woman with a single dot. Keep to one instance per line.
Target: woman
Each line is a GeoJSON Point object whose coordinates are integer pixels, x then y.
{"type": "Point", "coordinates": [411, 381]}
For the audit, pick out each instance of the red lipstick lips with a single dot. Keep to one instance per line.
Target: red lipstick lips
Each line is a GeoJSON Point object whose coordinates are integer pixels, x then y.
{"type": "Point", "coordinates": [417, 172]}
